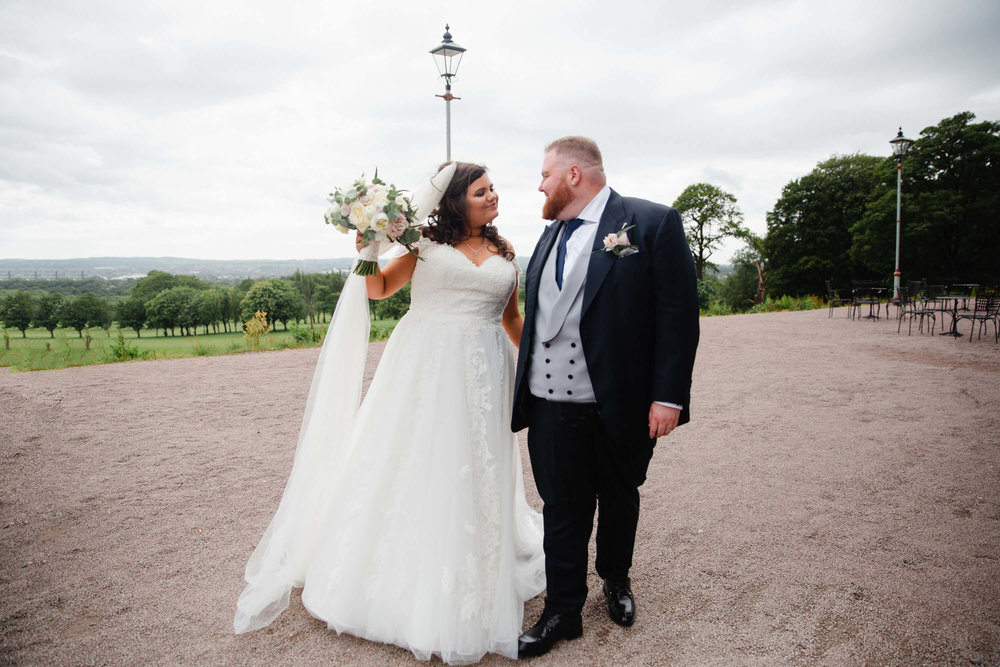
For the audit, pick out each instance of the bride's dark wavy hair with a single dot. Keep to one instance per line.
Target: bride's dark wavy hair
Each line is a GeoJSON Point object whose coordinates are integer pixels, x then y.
{"type": "Point", "coordinates": [449, 221]}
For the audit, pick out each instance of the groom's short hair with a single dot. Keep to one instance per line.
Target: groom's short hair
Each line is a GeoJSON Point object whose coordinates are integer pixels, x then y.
{"type": "Point", "coordinates": [580, 149]}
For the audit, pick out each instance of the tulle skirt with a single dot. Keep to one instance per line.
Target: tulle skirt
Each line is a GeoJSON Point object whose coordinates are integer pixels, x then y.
{"type": "Point", "coordinates": [418, 533]}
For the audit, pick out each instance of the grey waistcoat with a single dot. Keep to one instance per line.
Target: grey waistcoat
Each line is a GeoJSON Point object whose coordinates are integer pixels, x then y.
{"type": "Point", "coordinates": [558, 370]}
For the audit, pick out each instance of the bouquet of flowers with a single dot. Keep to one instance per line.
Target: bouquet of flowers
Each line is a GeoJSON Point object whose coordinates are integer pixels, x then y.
{"type": "Point", "coordinates": [380, 212]}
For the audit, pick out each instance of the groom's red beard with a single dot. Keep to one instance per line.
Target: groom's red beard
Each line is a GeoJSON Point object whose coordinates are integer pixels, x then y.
{"type": "Point", "coordinates": [557, 201]}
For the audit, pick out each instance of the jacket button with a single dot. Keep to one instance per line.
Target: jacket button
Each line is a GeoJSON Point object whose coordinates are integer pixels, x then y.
{"type": "Point", "coordinates": [570, 377]}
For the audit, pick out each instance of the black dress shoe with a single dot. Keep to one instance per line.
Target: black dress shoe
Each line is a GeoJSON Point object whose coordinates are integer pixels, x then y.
{"type": "Point", "coordinates": [543, 634]}
{"type": "Point", "coordinates": [621, 604]}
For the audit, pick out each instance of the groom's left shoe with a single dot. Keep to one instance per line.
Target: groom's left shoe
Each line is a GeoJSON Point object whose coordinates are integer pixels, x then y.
{"type": "Point", "coordinates": [621, 603]}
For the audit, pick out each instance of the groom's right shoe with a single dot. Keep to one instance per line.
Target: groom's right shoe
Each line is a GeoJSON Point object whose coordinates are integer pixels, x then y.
{"type": "Point", "coordinates": [621, 602]}
{"type": "Point", "coordinates": [549, 629]}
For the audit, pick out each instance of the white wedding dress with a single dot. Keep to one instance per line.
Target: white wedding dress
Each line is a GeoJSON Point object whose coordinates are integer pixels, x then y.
{"type": "Point", "coordinates": [412, 528]}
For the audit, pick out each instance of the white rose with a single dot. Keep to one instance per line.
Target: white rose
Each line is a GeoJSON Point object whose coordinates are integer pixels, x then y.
{"type": "Point", "coordinates": [377, 195]}
{"type": "Point", "coordinates": [611, 240]}
{"type": "Point", "coordinates": [401, 202]}
{"type": "Point", "coordinates": [359, 217]}
{"type": "Point", "coordinates": [380, 223]}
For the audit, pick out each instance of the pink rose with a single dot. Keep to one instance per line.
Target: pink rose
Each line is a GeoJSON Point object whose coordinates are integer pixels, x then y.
{"type": "Point", "coordinates": [623, 239]}
{"type": "Point", "coordinates": [396, 227]}
{"type": "Point", "coordinates": [611, 240]}
{"type": "Point", "coordinates": [345, 210]}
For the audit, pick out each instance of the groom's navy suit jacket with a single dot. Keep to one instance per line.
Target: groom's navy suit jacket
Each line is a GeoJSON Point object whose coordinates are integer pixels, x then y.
{"type": "Point", "coordinates": [638, 325]}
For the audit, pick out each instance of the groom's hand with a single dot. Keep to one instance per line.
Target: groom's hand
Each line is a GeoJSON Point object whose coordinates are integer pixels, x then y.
{"type": "Point", "coordinates": [662, 420]}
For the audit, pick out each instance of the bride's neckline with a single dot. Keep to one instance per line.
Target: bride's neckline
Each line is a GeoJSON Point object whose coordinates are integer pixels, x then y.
{"type": "Point", "coordinates": [468, 259]}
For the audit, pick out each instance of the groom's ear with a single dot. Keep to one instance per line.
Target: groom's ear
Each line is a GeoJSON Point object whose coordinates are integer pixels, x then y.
{"type": "Point", "coordinates": [574, 175]}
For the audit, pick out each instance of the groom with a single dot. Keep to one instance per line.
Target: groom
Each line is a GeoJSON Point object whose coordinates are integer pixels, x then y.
{"type": "Point", "coordinates": [604, 369]}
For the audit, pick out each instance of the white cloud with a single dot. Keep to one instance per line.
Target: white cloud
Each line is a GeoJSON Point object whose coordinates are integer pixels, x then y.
{"type": "Point", "coordinates": [216, 129]}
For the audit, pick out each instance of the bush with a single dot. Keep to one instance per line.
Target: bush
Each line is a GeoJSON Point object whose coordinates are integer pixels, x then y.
{"type": "Point", "coordinates": [379, 333]}
{"type": "Point", "coordinates": [255, 328]}
{"type": "Point", "coordinates": [304, 335]}
{"type": "Point", "coordinates": [122, 351]}
{"type": "Point", "coordinates": [771, 305]}
{"type": "Point", "coordinates": [200, 349]}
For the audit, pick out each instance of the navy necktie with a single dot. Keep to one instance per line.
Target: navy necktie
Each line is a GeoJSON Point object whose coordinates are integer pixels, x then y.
{"type": "Point", "coordinates": [571, 226]}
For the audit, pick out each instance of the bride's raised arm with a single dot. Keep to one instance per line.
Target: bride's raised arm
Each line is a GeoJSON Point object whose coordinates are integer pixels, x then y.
{"type": "Point", "coordinates": [387, 281]}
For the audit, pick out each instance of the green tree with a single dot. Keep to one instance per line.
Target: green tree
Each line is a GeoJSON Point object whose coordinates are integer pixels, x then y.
{"type": "Point", "coordinates": [47, 312]}
{"type": "Point", "coordinates": [167, 309]}
{"type": "Point", "coordinates": [233, 314]}
{"type": "Point", "coordinates": [17, 311]}
{"type": "Point", "coordinates": [743, 288]}
{"type": "Point", "coordinates": [393, 307]}
{"type": "Point", "coordinates": [709, 215]}
{"type": "Point", "coordinates": [951, 206]}
{"type": "Point", "coordinates": [102, 314]}
{"type": "Point", "coordinates": [326, 301]}
{"type": "Point", "coordinates": [328, 292]}
{"type": "Point", "coordinates": [809, 230]}
{"type": "Point", "coordinates": [78, 312]}
{"type": "Point", "coordinates": [156, 282]}
{"type": "Point", "coordinates": [131, 314]}
{"type": "Point", "coordinates": [278, 298]}
{"type": "Point", "coordinates": [213, 305]}
{"type": "Point", "coordinates": [307, 285]}
{"type": "Point", "coordinates": [708, 290]}
{"type": "Point", "coordinates": [191, 314]}
{"type": "Point", "coordinates": [152, 284]}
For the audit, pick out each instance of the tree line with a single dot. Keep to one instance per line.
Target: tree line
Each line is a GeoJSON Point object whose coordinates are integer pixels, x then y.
{"type": "Point", "coordinates": [171, 303]}
{"type": "Point", "coordinates": [839, 221]}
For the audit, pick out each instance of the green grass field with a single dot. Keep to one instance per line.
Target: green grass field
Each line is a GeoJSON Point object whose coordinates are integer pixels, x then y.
{"type": "Point", "coordinates": [39, 351]}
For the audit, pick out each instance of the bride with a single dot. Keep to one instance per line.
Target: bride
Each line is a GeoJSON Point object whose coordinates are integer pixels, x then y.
{"type": "Point", "coordinates": [404, 519]}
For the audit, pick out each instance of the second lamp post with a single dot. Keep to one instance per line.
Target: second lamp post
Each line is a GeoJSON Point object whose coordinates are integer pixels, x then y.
{"type": "Point", "coordinates": [899, 147]}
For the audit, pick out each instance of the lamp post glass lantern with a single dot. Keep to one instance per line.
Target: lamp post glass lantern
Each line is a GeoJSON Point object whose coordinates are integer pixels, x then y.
{"type": "Point", "coordinates": [900, 145]}
{"type": "Point", "coordinates": [447, 57]}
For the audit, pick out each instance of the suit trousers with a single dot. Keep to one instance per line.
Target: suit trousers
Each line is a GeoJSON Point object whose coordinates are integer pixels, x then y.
{"type": "Point", "coordinates": [577, 469]}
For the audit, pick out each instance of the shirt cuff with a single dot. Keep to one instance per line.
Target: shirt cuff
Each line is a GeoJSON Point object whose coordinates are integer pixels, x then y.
{"type": "Point", "coordinates": [670, 405]}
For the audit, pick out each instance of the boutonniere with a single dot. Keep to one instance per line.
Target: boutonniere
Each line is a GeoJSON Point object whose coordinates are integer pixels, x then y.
{"type": "Point", "coordinates": [618, 243]}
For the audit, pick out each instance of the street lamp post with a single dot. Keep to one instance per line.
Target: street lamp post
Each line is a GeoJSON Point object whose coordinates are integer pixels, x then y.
{"type": "Point", "coordinates": [447, 57]}
{"type": "Point", "coordinates": [900, 145]}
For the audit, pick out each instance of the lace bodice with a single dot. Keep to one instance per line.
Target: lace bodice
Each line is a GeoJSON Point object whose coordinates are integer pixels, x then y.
{"type": "Point", "coordinates": [446, 284]}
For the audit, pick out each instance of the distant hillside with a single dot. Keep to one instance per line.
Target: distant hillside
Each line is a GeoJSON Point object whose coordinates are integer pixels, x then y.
{"type": "Point", "coordinates": [212, 270]}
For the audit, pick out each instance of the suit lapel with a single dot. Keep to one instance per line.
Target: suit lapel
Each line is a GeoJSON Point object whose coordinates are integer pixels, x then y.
{"type": "Point", "coordinates": [613, 219]}
{"type": "Point", "coordinates": [534, 273]}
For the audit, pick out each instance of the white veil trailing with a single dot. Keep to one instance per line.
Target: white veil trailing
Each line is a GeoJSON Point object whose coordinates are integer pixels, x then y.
{"type": "Point", "coordinates": [281, 559]}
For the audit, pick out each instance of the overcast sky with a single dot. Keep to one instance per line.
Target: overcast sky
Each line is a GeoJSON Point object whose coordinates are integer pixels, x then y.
{"type": "Point", "coordinates": [216, 128]}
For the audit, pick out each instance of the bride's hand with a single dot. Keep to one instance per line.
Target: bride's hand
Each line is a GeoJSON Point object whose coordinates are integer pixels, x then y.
{"type": "Point", "coordinates": [357, 241]}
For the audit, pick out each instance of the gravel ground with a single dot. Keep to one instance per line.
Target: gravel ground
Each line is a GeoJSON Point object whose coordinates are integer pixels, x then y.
{"type": "Point", "coordinates": [835, 500]}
